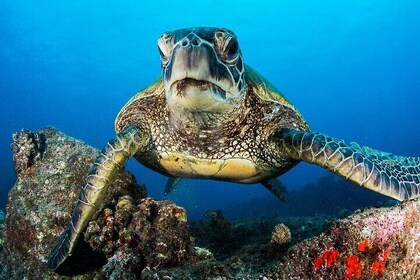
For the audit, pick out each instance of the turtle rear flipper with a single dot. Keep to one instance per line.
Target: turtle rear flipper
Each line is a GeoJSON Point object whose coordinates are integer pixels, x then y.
{"type": "Point", "coordinates": [276, 187]}
{"type": "Point", "coordinates": [394, 176]}
{"type": "Point", "coordinates": [127, 143]}
{"type": "Point", "coordinates": [171, 184]}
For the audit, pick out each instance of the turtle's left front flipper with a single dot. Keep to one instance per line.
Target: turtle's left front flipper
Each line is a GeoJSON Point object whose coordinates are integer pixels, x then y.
{"type": "Point", "coordinates": [394, 176]}
{"type": "Point", "coordinates": [126, 144]}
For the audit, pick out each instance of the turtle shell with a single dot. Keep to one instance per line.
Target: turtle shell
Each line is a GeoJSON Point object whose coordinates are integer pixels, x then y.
{"type": "Point", "coordinates": [265, 90]}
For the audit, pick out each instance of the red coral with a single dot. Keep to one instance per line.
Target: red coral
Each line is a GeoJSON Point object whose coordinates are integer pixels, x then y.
{"type": "Point", "coordinates": [318, 263]}
{"type": "Point", "coordinates": [363, 246]}
{"type": "Point", "coordinates": [378, 267]}
{"type": "Point", "coordinates": [328, 258]}
{"type": "Point", "coordinates": [385, 255]}
{"type": "Point", "coordinates": [353, 267]}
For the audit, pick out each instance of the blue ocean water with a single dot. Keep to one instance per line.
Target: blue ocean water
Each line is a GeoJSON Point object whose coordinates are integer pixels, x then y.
{"type": "Point", "coordinates": [351, 67]}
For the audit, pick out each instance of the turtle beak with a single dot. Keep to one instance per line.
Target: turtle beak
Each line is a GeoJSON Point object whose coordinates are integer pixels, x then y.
{"type": "Point", "coordinates": [195, 64]}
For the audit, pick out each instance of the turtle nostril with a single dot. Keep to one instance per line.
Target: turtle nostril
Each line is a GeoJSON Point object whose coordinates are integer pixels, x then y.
{"type": "Point", "coordinates": [195, 42]}
{"type": "Point", "coordinates": [185, 43]}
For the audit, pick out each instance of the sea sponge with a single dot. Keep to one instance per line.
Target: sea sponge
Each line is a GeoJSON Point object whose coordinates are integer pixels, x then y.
{"type": "Point", "coordinates": [327, 259]}
{"type": "Point", "coordinates": [281, 236]}
{"type": "Point", "coordinates": [354, 267]}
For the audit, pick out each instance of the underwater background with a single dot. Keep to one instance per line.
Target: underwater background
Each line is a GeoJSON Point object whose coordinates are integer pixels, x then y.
{"type": "Point", "coordinates": [350, 67]}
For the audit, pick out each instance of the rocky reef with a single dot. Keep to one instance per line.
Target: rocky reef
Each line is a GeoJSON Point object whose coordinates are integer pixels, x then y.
{"type": "Point", "coordinates": [128, 234]}
{"type": "Point", "coordinates": [28, 147]}
{"type": "Point", "coordinates": [372, 243]}
{"type": "Point", "coordinates": [136, 237]}
{"type": "Point", "coordinates": [151, 234]}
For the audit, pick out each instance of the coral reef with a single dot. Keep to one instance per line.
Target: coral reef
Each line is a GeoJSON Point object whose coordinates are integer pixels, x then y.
{"type": "Point", "coordinates": [41, 201]}
{"type": "Point", "coordinates": [369, 243]}
{"type": "Point", "coordinates": [248, 254]}
{"type": "Point", "coordinates": [152, 234]}
{"type": "Point", "coordinates": [136, 237]}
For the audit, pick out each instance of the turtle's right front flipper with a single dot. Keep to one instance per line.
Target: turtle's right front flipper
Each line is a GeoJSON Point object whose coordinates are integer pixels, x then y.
{"type": "Point", "coordinates": [127, 143]}
{"type": "Point", "coordinates": [394, 176]}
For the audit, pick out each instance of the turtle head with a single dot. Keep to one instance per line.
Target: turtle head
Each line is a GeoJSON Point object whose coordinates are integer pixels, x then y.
{"type": "Point", "coordinates": [203, 70]}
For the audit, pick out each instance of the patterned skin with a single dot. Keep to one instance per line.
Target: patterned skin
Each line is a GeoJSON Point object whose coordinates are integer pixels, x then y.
{"type": "Point", "coordinates": [394, 176]}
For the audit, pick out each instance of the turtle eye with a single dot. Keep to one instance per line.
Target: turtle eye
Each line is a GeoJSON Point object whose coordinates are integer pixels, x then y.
{"type": "Point", "coordinates": [226, 44]}
{"type": "Point", "coordinates": [232, 48]}
{"type": "Point", "coordinates": [165, 45]}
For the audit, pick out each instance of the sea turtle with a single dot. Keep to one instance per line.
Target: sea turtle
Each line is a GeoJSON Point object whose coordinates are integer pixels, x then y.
{"type": "Point", "coordinates": [211, 116]}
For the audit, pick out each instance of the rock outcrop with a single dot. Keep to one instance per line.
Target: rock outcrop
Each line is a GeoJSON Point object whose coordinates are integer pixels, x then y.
{"type": "Point", "coordinates": [136, 237]}
{"type": "Point", "coordinates": [128, 234]}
